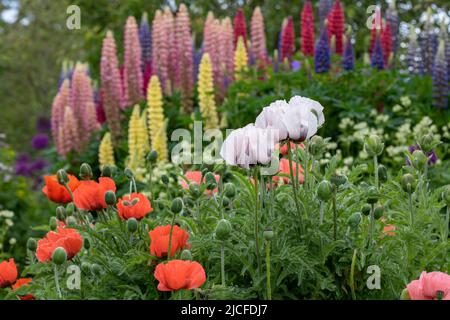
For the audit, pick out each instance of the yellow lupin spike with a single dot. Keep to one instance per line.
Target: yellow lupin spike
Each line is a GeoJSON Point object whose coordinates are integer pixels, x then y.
{"type": "Point", "coordinates": [240, 59]}
{"type": "Point", "coordinates": [106, 151]}
{"type": "Point", "coordinates": [133, 140]}
{"type": "Point", "coordinates": [206, 97]}
{"type": "Point", "coordinates": [157, 124]}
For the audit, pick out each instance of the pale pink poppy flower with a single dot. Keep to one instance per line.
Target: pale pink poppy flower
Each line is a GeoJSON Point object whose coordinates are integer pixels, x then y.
{"type": "Point", "coordinates": [430, 286]}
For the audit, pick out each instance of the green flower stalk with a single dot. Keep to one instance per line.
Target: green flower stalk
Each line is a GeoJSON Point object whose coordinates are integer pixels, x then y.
{"type": "Point", "coordinates": [374, 146]}
{"type": "Point", "coordinates": [268, 236]}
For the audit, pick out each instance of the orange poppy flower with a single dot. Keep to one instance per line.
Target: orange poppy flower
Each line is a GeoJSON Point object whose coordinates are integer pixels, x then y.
{"type": "Point", "coordinates": [179, 274]}
{"type": "Point", "coordinates": [285, 169]}
{"type": "Point", "coordinates": [23, 282]}
{"type": "Point", "coordinates": [58, 193]}
{"type": "Point", "coordinates": [8, 273]}
{"type": "Point", "coordinates": [284, 148]}
{"type": "Point", "coordinates": [67, 238]}
{"type": "Point", "coordinates": [389, 230]}
{"type": "Point", "coordinates": [159, 240]}
{"type": "Point", "coordinates": [196, 176]}
{"type": "Point", "coordinates": [135, 206]}
{"type": "Point", "coordinates": [90, 195]}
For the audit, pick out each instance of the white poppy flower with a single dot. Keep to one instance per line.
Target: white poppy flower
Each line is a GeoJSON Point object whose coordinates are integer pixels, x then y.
{"type": "Point", "coordinates": [249, 146]}
{"type": "Point", "coordinates": [271, 117]}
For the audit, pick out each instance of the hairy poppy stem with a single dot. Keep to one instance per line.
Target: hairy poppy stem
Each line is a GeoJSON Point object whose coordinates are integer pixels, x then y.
{"type": "Point", "coordinates": [372, 223]}
{"type": "Point", "coordinates": [58, 289]}
{"type": "Point", "coordinates": [352, 274]}
{"type": "Point", "coordinates": [268, 279]}
{"type": "Point", "coordinates": [170, 237]}
{"type": "Point", "coordinates": [411, 212]}
{"type": "Point", "coordinates": [375, 168]}
{"type": "Point", "coordinates": [222, 262]}
{"type": "Point", "coordinates": [258, 258]}
{"type": "Point", "coordinates": [294, 186]}
{"type": "Point", "coordinates": [334, 215]}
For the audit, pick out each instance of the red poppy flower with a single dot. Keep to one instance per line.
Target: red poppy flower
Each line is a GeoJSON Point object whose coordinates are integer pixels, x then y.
{"type": "Point", "coordinates": [179, 274]}
{"type": "Point", "coordinates": [67, 238]}
{"type": "Point", "coordinates": [135, 206]}
{"type": "Point", "coordinates": [196, 176]}
{"type": "Point", "coordinates": [284, 148]}
{"type": "Point", "coordinates": [90, 195]}
{"type": "Point", "coordinates": [159, 240]}
{"type": "Point", "coordinates": [285, 169]}
{"type": "Point", "coordinates": [23, 282]}
{"type": "Point", "coordinates": [8, 273]}
{"type": "Point", "coordinates": [389, 230]}
{"type": "Point", "coordinates": [58, 193]}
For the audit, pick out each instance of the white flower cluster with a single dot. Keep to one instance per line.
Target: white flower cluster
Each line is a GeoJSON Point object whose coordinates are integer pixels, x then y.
{"type": "Point", "coordinates": [254, 144]}
{"type": "Point", "coordinates": [6, 214]}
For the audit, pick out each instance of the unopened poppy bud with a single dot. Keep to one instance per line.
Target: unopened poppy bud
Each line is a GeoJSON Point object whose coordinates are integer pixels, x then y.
{"type": "Point", "coordinates": [223, 229]}
{"type": "Point", "coordinates": [61, 213]}
{"type": "Point", "coordinates": [426, 142]}
{"type": "Point", "coordinates": [85, 267]}
{"type": "Point", "coordinates": [152, 156]}
{"type": "Point", "coordinates": [59, 256]}
{"type": "Point", "coordinates": [62, 177]}
{"type": "Point", "coordinates": [110, 198]}
{"type": "Point", "coordinates": [177, 205]}
{"type": "Point", "coordinates": [372, 195]}
{"type": "Point", "coordinates": [128, 173]}
{"type": "Point", "coordinates": [230, 190]}
{"type": "Point", "coordinates": [210, 178]}
{"type": "Point", "coordinates": [31, 244]}
{"type": "Point", "coordinates": [194, 188]}
{"type": "Point", "coordinates": [132, 225]}
{"type": "Point", "coordinates": [408, 182]}
{"type": "Point", "coordinates": [373, 145]}
{"type": "Point", "coordinates": [86, 171]}
{"type": "Point", "coordinates": [419, 159]}
{"type": "Point", "coordinates": [71, 221]}
{"type": "Point", "coordinates": [354, 220]}
{"type": "Point", "coordinates": [53, 223]}
{"type": "Point", "coordinates": [186, 255]}
{"type": "Point", "coordinates": [96, 269]}
{"type": "Point", "coordinates": [70, 208]}
{"type": "Point", "coordinates": [317, 146]}
{"type": "Point", "coordinates": [405, 295]}
{"type": "Point", "coordinates": [211, 186]}
{"type": "Point", "coordinates": [268, 234]}
{"type": "Point", "coordinates": [338, 179]}
{"type": "Point", "coordinates": [366, 209]}
{"type": "Point", "coordinates": [107, 171]}
{"type": "Point", "coordinates": [378, 212]}
{"type": "Point", "coordinates": [225, 202]}
{"type": "Point", "coordinates": [165, 179]}
{"type": "Point", "coordinates": [86, 243]}
{"type": "Point", "coordinates": [382, 173]}
{"type": "Point", "coordinates": [325, 190]}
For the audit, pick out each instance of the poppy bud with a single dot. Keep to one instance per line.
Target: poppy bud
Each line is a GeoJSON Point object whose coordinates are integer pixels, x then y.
{"type": "Point", "coordinates": [378, 212]}
{"type": "Point", "coordinates": [71, 222]}
{"type": "Point", "coordinates": [225, 202]}
{"type": "Point", "coordinates": [405, 295]}
{"type": "Point", "coordinates": [223, 229]}
{"type": "Point", "coordinates": [194, 188]}
{"type": "Point", "coordinates": [366, 209]}
{"type": "Point", "coordinates": [96, 269]}
{"type": "Point", "coordinates": [85, 267]}
{"type": "Point", "coordinates": [211, 186]}
{"type": "Point", "coordinates": [110, 198]}
{"type": "Point", "coordinates": [419, 159]}
{"type": "Point", "coordinates": [107, 171]}
{"type": "Point", "coordinates": [59, 256]}
{"type": "Point", "coordinates": [70, 209]}
{"type": "Point", "coordinates": [128, 173]}
{"type": "Point", "coordinates": [61, 213]}
{"type": "Point", "coordinates": [338, 179]}
{"type": "Point", "coordinates": [62, 177]}
{"type": "Point", "coordinates": [132, 225]}
{"type": "Point", "coordinates": [446, 195]}
{"type": "Point", "coordinates": [177, 205]}
{"type": "Point", "coordinates": [230, 190]}
{"type": "Point", "coordinates": [317, 146]}
{"type": "Point", "coordinates": [165, 179]}
{"type": "Point", "coordinates": [31, 244]}
{"type": "Point", "coordinates": [152, 156]}
{"type": "Point", "coordinates": [268, 234]}
{"type": "Point", "coordinates": [382, 173]}
{"type": "Point", "coordinates": [86, 243]}
{"type": "Point", "coordinates": [210, 178]}
{"type": "Point", "coordinates": [408, 182]}
{"type": "Point", "coordinates": [186, 255]}
{"type": "Point", "coordinates": [372, 195]}
{"type": "Point", "coordinates": [354, 220]}
{"type": "Point", "coordinates": [325, 190]}
{"type": "Point", "coordinates": [86, 172]}
{"type": "Point", "coordinates": [373, 145]}
{"type": "Point", "coordinates": [427, 142]}
{"type": "Point", "coordinates": [53, 223]}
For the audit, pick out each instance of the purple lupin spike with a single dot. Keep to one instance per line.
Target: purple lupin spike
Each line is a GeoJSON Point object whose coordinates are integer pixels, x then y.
{"type": "Point", "coordinates": [322, 53]}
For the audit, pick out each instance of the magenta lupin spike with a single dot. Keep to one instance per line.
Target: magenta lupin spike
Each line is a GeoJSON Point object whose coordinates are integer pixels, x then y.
{"type": "Point", "coordinates": [60, 102]}
{"type": "Point", "coordinates": [132, 73]}
{"type": "Point", "coordinates": [160, 51]}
